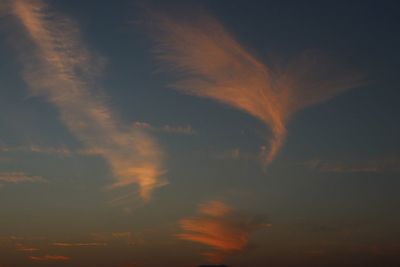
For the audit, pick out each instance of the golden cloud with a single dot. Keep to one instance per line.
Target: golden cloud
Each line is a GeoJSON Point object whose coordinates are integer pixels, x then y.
{"type": "Point", "coordinates": [215, 65]}
{"type": "Point", "coordinates": [220, 227]}
{"type": "Point", "coordinates": [62, 69]}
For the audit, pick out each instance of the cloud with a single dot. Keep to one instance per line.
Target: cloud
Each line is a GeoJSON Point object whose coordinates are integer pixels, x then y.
{"type": "Point", "coordinates": [22, 244]}
{"type": "Point", "coordinates": [19, 177]}
{"type": "Point", "coordinates": [186, 130]}
{"type": "Point", "coordinates": [389, 165]}
{"type": "Point", "coordinates": [60, 151]}
{"type": "Point", "coordinates": [25, 248]}
{"type": "Point", "coordinates": [57, 151]}
{"type": "Point", "coordinates": [220, 227]}
{"type": "Point", "coordinates": [92, 244]}
{"type": "Point", "coordinates": [59, 67]}
{"type": "Point", "coordinates": [49, 258]}
{"type": "Point", "coordinates": [213, 64]}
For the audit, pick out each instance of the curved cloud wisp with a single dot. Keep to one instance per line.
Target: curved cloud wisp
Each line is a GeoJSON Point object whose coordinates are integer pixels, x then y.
{"type": "Point", "coordinates": [60, 68]}
{"type": "Point", "coordinates": [214, 65]}
{"type": "Point", "coordinates": [220, 227]}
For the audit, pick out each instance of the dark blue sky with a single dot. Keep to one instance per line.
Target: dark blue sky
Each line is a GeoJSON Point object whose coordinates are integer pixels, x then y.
{"type": "Point", "coordinates": [328, 198]}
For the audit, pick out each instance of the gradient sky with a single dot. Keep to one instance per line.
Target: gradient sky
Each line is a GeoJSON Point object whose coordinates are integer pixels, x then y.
{"type": "Point", "coordinates": [249, 133]}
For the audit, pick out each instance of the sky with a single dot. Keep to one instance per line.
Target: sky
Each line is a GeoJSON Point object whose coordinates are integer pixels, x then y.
{"type": "Point", "coordinates": [181, 133]}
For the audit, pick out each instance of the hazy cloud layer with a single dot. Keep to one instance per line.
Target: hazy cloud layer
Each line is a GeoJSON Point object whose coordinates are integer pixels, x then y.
{"type": "Point", "coordinates": [220, 227]}
{"type": "Point", "coordinates": [19, 177]}
{"type": "Point", "coordinates": [215, 65]}
{"type": "Point", "coordinates": [60, 68]}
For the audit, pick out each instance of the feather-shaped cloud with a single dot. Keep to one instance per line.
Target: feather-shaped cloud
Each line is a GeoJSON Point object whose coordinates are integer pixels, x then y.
{"type": "Point", "coordinates": [213, 64]}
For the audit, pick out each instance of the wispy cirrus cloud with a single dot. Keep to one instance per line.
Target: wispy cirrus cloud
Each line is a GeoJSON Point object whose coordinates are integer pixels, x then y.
{"type": "Point", "coordinates": [59, 67]}
{"type": "Point", "coordinates": [57, 151]}
{"type": "Point", "coordinates": [388, 165]}
{"type": "Point", "coordinates": [220, 227]}
{"type": "Point", "coordinates": [186, 130]}
{"type": "Point", "coordinates": [49, 258]}
{"type": "Point", "coordinates": [20, 177]}
{"type": "Point", "coordinates": [215, 65]}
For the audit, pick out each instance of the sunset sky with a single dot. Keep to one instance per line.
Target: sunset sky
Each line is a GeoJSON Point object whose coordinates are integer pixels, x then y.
{"type": "Point", "coordinates": [181, 133]}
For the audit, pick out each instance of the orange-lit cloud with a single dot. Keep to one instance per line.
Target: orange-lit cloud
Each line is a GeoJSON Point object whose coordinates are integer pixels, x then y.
{"type": "Point", "coordinates": [214, 65]}
{"type": "Point", "coordinates": [59, 67]}
{"type": "Point", "coordinates": [220, 227]}
{"type": "Point", "coordinates": [19, 177]}
{"type": "Point", "coordinates": [49, 258]}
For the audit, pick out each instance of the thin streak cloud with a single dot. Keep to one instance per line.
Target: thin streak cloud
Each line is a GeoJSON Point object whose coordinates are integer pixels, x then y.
{"type": "Point", "coordinates": [49, 258]}
{"type": "Point", "coordinates": [56, 151]}
{"type": "Point", "coordinates": [220, 227]}
{"type": "Point", "coordinates": [213, 64]}
{"type": "Point", "coordinates": [20, 177]}
{"type": "Point", "coordinates": [25, 248]}
{"type": "Point", "coordinates": [60, 68]}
